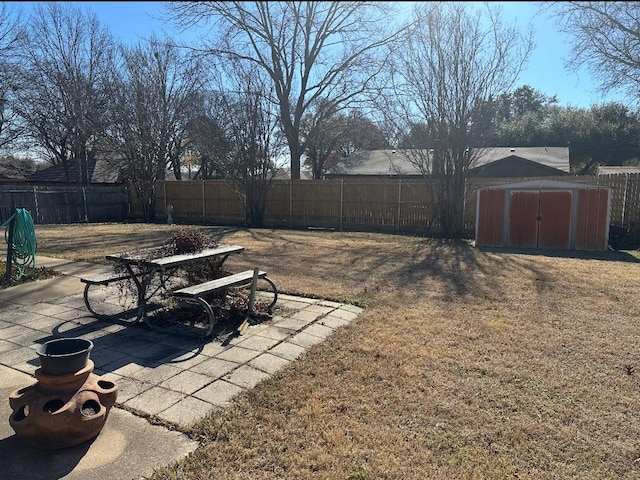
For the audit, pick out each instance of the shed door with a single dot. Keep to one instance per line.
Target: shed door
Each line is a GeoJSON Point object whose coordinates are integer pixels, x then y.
{"type": "Point", "coordinates": [523, 223]}
{"type": "Point", "coordinates": [592, 223]}
{"type": "Point", "coordinates": [540, 218]}
{"type": "Point", "coordinates": [490, 218]}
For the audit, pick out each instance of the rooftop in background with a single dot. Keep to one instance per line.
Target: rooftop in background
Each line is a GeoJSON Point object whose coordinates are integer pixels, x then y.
{"type": "Point", "coordinates": [285, 174]}
{"type": "Point", "coordinates": [396, 163]}
{"type": "Point", "coordinates": [101, 171]}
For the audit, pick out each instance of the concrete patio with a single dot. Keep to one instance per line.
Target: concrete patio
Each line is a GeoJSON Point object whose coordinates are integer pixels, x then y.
{"type": "Point", "coordinates": [176, 380]}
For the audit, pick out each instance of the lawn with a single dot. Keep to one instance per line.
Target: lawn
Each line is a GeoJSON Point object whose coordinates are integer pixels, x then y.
{"type": "Point", "coordinates": [466, 363]}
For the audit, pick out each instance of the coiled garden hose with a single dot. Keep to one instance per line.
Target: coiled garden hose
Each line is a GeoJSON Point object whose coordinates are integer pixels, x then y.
{"type": "Point", "coordinates": [24, 244]}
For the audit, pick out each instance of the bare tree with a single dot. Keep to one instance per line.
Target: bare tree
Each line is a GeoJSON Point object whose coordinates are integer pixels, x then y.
{"type": "Point", "coordinates": [157, 95]}
{"type": "Point", "coordinates": [251, 132]}
{"type": "Point", "coordinates": [208, 144]}
{"type": "Point", "coordinates": [330, 136]}
{"type": "Point", "coordinates": [11, 33]}
{"type": "Point", "coordinates": [321, 130]}
{"type": "Point", "coordinates": [606, 39]}
{"type": "Point", "coordinates": [453, 60]}
{"type": "Point", "coordinates": [68, 59]}
{"type": "Point", "coordinates": [309, 50]}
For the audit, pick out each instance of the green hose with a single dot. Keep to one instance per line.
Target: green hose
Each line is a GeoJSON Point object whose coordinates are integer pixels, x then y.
{"type": "Point", "coordinates": [24, 245]}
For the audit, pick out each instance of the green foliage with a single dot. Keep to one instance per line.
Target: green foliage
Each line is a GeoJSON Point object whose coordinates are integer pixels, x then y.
{"type": "Point", "coordinates": [601, 135]}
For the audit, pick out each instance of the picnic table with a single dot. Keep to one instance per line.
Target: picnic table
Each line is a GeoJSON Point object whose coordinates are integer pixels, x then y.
{"type": "Point", "coordinates": [150, 276]}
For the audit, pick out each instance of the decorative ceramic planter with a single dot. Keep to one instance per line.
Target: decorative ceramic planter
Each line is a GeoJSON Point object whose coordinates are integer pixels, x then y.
{"type": "Point", "coordinates": [62, 410]}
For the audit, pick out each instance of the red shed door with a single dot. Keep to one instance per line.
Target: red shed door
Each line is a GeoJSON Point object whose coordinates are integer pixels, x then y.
{"type": "Point", "coordinates": [592, 223]}
{"type": "Point", "coordinates": [554, 230]}
{"type": "Point", "coordinates": [523, 214]}
{"type": "Point", "coordinates": [490, 218]}
{"type": "Point", "coordinates": [540, 219]}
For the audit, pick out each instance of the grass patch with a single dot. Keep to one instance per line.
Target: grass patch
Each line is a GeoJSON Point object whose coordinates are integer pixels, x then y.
{"type": "Point", "coordinates": [467, 363]}
{"type": "Point", "coordinates": [359, 474]}
{"type": "Point", "coordinates": [30, 275]}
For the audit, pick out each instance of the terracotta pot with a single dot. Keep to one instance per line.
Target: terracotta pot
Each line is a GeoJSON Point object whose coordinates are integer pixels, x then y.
{"type": "Point", "coordinates": [61, 411]}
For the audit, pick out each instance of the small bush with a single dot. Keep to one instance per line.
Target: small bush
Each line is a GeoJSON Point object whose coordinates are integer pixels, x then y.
{"type": "Point", "coordinates": [191, 239]}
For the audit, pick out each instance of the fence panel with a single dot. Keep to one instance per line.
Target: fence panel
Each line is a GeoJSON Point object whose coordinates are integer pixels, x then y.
{"type": "Point", "coordinates": [65, 204]}
{"type": "Point", "coordinates": [416, 211]}
{"type": "Point", "coordinates": [186, 199]}
{"type": "Point", "coordinates": [107, 204]}
{"type": "Point", "coordinates": [197, 201]}
{"type": "Point", "coordinates": [315, 203]}
{"type": "Point", "coordinates": [278, 210]}
{"type": "Point", "coordinates": [632, 202]}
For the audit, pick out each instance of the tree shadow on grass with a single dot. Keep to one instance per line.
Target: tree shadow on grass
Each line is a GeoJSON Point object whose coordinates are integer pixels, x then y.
{"type": "Point", "coordinates": [468, 270]}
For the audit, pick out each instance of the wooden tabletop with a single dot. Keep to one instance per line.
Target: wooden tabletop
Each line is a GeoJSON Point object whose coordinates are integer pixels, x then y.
{"type": "Point", "coordinates": [178, 259]}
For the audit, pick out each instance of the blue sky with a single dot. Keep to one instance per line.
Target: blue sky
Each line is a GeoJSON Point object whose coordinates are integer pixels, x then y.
{"type": "Point", "coordinates": [546, 71]}
{"type": "Point", "coordinates": [131, 21]}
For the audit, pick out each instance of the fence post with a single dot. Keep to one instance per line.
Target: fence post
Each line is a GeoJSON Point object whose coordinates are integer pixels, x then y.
{"type": "Point", "coordinates": [341, 201]}
{"type": "Point", "coordinates": [290, 202]}
{"type": "Point", "coordinates": [624, 198]}
{"type": "Point", "coordinates": [127, 193]}
{"type": "Point", "coordinates": [84, 202]}
{"type": "Point", "coordinates": [7, 274]}
{"type": "Point", "coordinates": [164, 190]}
{"type": "Point", "coordinates": [35, 200]}
{"type": "Point", "coordinates": [203, 203]}
{"type": "Point", "coordinates": [399, 202]}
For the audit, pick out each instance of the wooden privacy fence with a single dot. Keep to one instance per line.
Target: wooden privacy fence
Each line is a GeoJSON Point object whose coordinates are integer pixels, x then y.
{"type": "Point", "coordinates": [66, 204]}
{"type": "Point", "coordinates": [373, 204]}
{"type": "Point", "coordinates": [385, 204]}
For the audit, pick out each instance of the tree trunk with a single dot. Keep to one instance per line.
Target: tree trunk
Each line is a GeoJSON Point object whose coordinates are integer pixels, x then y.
{"type": "Point", "coordinates": [296, 153]}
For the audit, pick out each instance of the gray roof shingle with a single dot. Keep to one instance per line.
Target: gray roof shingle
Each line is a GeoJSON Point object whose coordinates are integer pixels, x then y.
{"type": "Point", "coordinates": [395, 162]}
{"type": "Point", "coordinates": [101, 171]}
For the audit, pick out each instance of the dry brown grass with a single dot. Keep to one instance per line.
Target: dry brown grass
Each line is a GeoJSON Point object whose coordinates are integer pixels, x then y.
{"type": "Point", "coordinates": [466, 363]}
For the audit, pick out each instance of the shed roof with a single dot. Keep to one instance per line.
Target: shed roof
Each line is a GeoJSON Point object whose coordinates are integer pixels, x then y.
{"type": "Point", "coordinates": [396, 162]}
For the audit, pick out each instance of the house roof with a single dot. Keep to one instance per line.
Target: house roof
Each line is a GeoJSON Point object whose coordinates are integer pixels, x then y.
{"type": "Point", "coordinates": [285, 174]}
{"type": "Point", "coordinates": [395, 162]}
{"type": "Point", "coordinates": [101, 171]}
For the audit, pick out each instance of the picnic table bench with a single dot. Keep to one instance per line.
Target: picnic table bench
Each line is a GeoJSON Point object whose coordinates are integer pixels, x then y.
{"type": "Point", "coordinates": [101, 279]}
{"type": "Point", "coordinates": [149, 276]}
{"type": "Point", "coordinates": [199, 292]}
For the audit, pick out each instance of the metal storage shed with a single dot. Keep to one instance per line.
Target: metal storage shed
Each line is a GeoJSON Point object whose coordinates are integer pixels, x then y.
{"type": "Point", "coordinates": [543, 214]}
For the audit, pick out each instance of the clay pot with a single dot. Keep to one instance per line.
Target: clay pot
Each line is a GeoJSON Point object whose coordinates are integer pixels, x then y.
{"type": "Point", "coordinates": [64, 356]}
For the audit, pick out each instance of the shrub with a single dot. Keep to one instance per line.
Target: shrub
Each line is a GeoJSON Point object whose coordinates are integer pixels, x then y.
{"type": "Point", "coordinates": [190, 239]}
